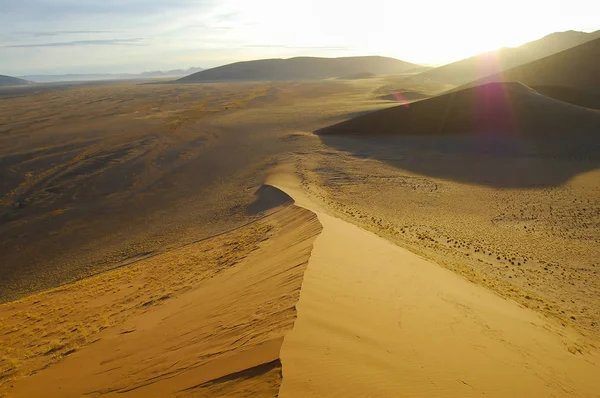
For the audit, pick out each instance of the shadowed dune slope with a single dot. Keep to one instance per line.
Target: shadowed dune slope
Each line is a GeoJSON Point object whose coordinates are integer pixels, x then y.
{"type": "Point", "coordinates": [268, 197]}
{"type": "Point", "coordinates": [12, 81]}
{"type": "Point", "coordinates": [497, 134]}
{"type": "Point", "coordinates": [203, 320]}
{"type": "Point", "coordinates": [300, 68]}
{"type": "Point", "coordinates": [572, 75]}
{"type": "Point", "coordinates": [585, 98]}
{"type": "Point", "coordinates": [494, 107]}
{"type": "Point", "coordinates": [482, 65]}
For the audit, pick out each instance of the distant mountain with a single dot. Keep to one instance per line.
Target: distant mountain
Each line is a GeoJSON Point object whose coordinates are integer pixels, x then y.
{"type": "Point", "coordinates": [172, 73]}
{"type": "Point", "coordinates": [572, 75]}
{"type": "Point", "coordinates": [12, 81]}
{"type": "Point", "coordinates": [111, 76]}
{"type": "Point", "coordinates": [300, 68]}
{"type": "Point", "coordinates": [480, 66]}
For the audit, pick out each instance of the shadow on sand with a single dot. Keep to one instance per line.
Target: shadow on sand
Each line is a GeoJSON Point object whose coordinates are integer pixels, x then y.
{"type": "Point", "coordinates": [500, 134]}
{"type": "Point", "coordinates": [462, 159]}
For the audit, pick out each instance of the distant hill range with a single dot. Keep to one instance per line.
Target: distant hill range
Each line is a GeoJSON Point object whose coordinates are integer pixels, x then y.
{"type": "Point", "coordinates": [12, 81]}
{"type": "Point", "coordinates": [301, 68]}
{"type": "Point", "coordinates": [111, 76]}
{"type": "Point", "coordinates": [480, 66]}
{"type": "Point", "coordinates": [572, 75]}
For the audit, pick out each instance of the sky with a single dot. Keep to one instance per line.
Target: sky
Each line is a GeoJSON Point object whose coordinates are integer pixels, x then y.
{"type": "Point", "coordinates": [117, 36]}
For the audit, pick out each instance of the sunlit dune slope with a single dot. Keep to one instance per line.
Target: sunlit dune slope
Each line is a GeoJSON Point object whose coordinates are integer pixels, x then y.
{"type": "Point", "coordinates": [205, 319]}
{"type": "Point", "coordinates": [503, 108]}
{"type": "Point", "coordinates": [300, 68]}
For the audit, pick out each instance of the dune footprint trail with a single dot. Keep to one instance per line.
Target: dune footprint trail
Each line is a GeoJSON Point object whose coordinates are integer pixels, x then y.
{"type": "Point", "coordinates": [377, 320]}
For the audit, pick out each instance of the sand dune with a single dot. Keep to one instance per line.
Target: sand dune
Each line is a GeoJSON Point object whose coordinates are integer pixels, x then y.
{"type": "Point", "coordinates": [12, 81]}
{"type": "Point", "coordinates": [162, 184]}
{"type": "Point", "coordinates": [572, 75]}
{"type": "Point", "coordinates": [300, 68]}
{"type": "Point", "coordinates": [576, 67]}
{"type": "Point", "coordinates": [490, 113]}
{"type": "Point", "coordinates": [482, 65]}
{"type": "Point", "coordinates": [581, 97]}
{"type": "Point", "coordinates": [92, 176]}
{"type": "Point", "coordinates": [206, 319]}
{"type": "Point", "coordinates": [377, 320]}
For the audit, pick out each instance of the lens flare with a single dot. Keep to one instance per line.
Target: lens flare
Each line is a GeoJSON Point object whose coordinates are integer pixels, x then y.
{"type": "Point", "coordinates": [402, 100]}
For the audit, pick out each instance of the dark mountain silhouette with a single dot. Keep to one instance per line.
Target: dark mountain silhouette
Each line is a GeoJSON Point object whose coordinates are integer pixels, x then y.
{"type": "Point", "coordinates": [300, 68]}
{"type": "Point", "coordinates": [12, 81]}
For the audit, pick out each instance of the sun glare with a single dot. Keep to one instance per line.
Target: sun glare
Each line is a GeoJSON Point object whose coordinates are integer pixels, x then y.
{"type": "Point", "coordinates": [433, 32]}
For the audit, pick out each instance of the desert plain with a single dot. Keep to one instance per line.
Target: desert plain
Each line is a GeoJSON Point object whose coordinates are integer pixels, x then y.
{"type": "Point", "coordinates": [215, 240]}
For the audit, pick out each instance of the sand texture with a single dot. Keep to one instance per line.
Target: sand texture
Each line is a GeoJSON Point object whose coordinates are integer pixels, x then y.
{"type": "Point", "coordinates": [202, 240]}
{"type": "Point", "coordinates": [204, 320]}
{"type": "Point", "coordinates": [377, 320]}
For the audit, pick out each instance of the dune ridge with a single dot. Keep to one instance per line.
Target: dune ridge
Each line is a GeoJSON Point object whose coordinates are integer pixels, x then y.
{"type": "Point", "coordinates": [491, 113]}
{"type": "Point", "coordinates": [204, 320]}
{"type": "Point", "coordinates": [571, 76]}
{"type": "Point", "coordinates": [482, 65]}
{"type": "Point", "coordinates": [576, 67]}
{"type": "Point", "coordinates": [377, 320]}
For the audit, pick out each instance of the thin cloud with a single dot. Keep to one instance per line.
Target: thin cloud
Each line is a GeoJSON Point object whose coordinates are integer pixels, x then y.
{"type": "Point", "coordinates": [62, 32]}
{"type": "Point", "coordinates": [294, 47]}
{"type": "Point", "coordinates": [113, 42]}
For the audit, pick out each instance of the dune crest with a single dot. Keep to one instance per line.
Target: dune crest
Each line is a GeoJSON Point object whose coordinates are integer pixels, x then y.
{"type": "Point", "coordinates": [204, 320]}
{"type": "Point", "coordinates": [377, 320]}
{"type": "Point", "coordinates": [482, 65]}
{"type": "Point", "coordinates": [572, 75]}
{"type": "Point", "coordinates": [502, 107]}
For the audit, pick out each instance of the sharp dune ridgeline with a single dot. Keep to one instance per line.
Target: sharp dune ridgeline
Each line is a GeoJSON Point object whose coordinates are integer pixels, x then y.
{"type": "Point", "coordinates": [503, 108]}
{"type": "Point", "coordinates": [300, 68]}
{"type": "Point", "coordinates": [377, 320]}
{"type": "Point", "coordinates": [170, 325]}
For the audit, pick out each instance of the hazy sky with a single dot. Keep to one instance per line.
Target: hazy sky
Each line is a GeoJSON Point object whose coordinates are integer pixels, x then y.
{"type": "Point", "coordinates": [83, 36]}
